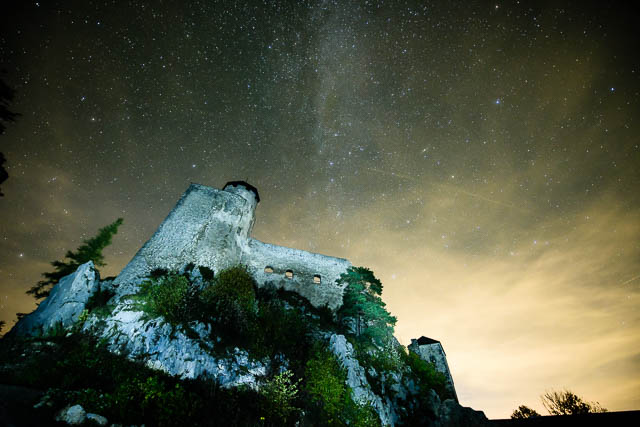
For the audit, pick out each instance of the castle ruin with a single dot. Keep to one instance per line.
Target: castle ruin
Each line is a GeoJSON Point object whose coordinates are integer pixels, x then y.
{"type": "Point", "coordinates": [212, 228]}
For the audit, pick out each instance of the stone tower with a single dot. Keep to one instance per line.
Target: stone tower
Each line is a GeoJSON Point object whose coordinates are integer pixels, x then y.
{"type": "Point", "coordinates": [431, 351]}
{"type": "Point", "coordinates": [212, 228]}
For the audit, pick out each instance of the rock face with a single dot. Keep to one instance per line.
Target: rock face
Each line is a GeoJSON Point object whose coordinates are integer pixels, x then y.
{"type": "Point", "coordinates": [169, 349]}
{"type": "Point", "coordinates": [212, 228]}
{"type": "Point", "coordinates": [357, 380]}
{"type": "Point", "coordinates": [64, 304]}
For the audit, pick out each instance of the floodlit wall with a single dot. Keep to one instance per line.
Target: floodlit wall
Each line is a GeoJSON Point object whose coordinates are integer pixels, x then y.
{"type": "Point", "coordinates": [212, 228]}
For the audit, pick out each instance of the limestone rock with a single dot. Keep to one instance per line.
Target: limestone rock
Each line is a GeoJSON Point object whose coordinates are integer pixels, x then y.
{"type": "Point", "coordinates": [97, 419]}
{"type": "Point", "coordinates": [357, 380]}
{"type": "Point", "coordinates": [72, 415]}
{"type": "Point", "coordinates": [64, 304]}
{"type": "Point", "coordinates": [168, 348]}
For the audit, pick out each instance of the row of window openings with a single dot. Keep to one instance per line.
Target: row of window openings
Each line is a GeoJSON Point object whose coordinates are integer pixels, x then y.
{"type": "Point", "coordinates": [289, 274]}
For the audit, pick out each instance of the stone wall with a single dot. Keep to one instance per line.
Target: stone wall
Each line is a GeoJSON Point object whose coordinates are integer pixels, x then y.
{"type": "Point", "coordinates": [212, 228]}
{"type": "Point", "coordinates": [431, 351]}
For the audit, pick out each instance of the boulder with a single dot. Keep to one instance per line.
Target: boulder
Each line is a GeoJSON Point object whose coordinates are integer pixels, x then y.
{"type": "Point", "coordinates": [72, 415]}
{"type": "Point", "coordinates": [97, 419]}
{"type": "Point", "coordinates": [64, 305]}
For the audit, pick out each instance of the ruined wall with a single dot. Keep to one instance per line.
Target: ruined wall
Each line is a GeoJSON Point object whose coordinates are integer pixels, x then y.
{"type": "Point", "coordinates": [212, 228]}
{"type": "Point", "coordinates": [432, 351]}
{"type": "Point", "coordinates": [206, 227]}
{"type": "Point", "coordinates": [312, 275]}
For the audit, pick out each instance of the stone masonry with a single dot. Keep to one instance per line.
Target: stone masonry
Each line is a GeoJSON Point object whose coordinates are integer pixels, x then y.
{"type": "Point", "coordinates": [212, 228]}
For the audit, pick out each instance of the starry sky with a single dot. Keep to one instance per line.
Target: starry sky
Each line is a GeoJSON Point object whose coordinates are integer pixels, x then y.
{"type": "Point", "coordinates": [482, 158]}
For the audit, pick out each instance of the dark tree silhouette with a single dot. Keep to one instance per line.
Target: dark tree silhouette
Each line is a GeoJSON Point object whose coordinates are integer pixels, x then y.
{"type": "Point", "coordinates": [6, 96]}
{"type": "Point", "coordinates": [567, 403]}
{"type": "Point", "coordinates": [91, 250]}
{"type": "Point", "coordinates": [524, 412]}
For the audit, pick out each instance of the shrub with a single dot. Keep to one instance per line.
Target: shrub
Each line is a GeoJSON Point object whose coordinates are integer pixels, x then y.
{"type": "Point", "coordinates": [231, 299]}
{"type": "Point", "coordinates": [524, 412]}
{"type": "Point", "coordinates": [568, 403]}
{"type": "Point", "coordinates": [167, 297]}
{"type": "Point", "coordinates": [426, 375]}
{"type": "Point", "coordinates": [279, 330]}
{"type": "Point", "coordinates": [326, 386]}
{"type": "Point", "coordinates": [280, 393]}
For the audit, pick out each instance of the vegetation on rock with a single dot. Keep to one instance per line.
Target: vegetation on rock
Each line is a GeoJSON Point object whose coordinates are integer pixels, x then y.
{"type": "Point", "coordinates": [306, 383]}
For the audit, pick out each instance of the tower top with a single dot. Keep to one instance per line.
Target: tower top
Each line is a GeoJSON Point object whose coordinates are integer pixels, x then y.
{"type": "Point", "coordinates": [244, 184]}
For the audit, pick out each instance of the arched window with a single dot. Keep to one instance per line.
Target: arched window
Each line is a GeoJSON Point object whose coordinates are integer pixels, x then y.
{"type": "Point", "coordinates": [268, 269]}
{"type": "Point", "coordinates": [288, 274]}
{"type": "Point", "coordinates": [316, 278]}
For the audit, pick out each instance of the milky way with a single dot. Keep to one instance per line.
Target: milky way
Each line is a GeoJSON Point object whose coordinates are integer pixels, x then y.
{"type": "Point", "coordinates": [481, 157]}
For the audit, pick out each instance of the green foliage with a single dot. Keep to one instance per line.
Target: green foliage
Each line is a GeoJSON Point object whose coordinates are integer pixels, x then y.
{"type": "Point", "coordinates": [362, 302]}
{"type": "Point", "coordinates": [91, 250]}
{"type": "Point", "coordinates": [277, 329]}
{"type": "Point", "coordinates": [381, 360]}
{"type": "Point", "coordinates": [84, 315]}
{"type": "Point", "coordinates": [280, 393]}
{"type": "Point", "coordinates": [326, 386]}
{"type": "Point", "coordinates": [2, 323]}
{"type": "Point", "coordinates": [167, 297]}
{"type": "Point", "coordinates": [56, 331]}
{"type": "Point", "coordinates": [524, 412]}
{"type": "Point", "coordinates": [426, 375]}
{"type": "Point", "coordinates": [567, 403]}
{"type": "Point", "coordinates": [84, 372]}
{"type": "Point", "coordinates": [231, 299]}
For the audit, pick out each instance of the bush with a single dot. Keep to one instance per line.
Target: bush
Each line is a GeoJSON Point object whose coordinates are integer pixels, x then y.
{"type": "Point", "coordinates": [524, 412]}
{"type": "Point", "coordinates": [331, 397]}
{"type": "Point", "coordinates": [426, 375]}
{"type": "Point", "coordinates": [567, 403]}
{"type": "Point", "coordinates": [280, 393]}
{"type": "Point", "coordinates": [167, 297]}
{"type": "Point", "coordinates": [230, 300]}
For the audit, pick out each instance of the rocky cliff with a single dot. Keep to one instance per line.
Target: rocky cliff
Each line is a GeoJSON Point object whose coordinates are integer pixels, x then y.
{"type": "Point", "coordinates": [196, 330]}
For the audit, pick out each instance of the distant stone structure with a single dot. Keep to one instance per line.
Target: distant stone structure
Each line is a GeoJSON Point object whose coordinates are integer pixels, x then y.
{"type": "Point", "coordinates": [212, 228]}
{"type": "Point", "coordinates": [431, 350]}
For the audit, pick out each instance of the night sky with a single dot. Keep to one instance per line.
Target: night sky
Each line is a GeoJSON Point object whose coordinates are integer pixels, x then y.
{"type": "Point", "coordinates": [482, 158]}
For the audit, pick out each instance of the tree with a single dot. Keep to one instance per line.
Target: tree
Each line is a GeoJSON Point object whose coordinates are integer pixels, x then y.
{"type": "Point", "coordinates": [280, 393]}
{"type": "Point", "coordinates": [362, 302]}
{"type": "Point", "coordinates": [91, 250]}
{"type": "Point", "coordinates": [567, 403]}
{"type": "Point", "coordinates": [524, 412]}
{"type": "Point", "coordinates": [6, 96]}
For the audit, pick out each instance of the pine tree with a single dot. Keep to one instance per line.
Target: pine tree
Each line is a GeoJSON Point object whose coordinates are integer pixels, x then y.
{"type": "Point", "coordinates": [362, 302]}
{"type": "Point", "coordinates": [91, 250]}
